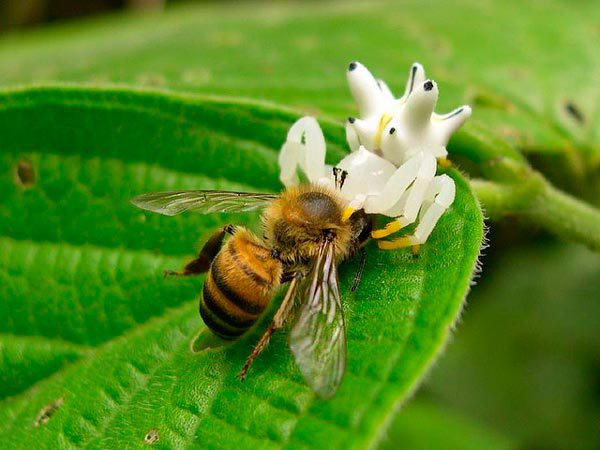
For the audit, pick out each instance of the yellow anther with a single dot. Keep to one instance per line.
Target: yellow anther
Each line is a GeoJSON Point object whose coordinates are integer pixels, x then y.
{"type": "Point", "coordinates": [415, 249]}
{"type": "Point", "coordinates": [385, 119]}
{"type": "Point", "coordinates": [390, 228]}
{"type": "Point", "coordinates": [395, 244]}
{"type": "Point", "coordinates": [347, 213]}
{"type": "Point", "coordinates": [445, 163]}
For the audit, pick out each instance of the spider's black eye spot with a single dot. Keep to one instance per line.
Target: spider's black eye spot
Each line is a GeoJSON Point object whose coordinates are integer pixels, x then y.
{"type": "Point", "coordinates": [351, 119]}
{"type": "Point", "coordinates": [351, 66]}
{"type": "Point", "coordinates": [428, 85]}
{"type": "Point", "coordinates": [392, 130]}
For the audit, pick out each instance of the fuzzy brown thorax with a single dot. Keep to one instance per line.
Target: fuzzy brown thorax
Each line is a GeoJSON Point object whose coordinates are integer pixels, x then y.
{"type": "Point", "coordinates": [302, 219]}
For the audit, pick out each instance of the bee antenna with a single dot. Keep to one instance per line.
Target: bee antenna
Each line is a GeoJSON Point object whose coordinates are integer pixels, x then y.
{"type": "Point", "coordinates": [343, 178]}
{"type": "Point", "coordinates": [336, 171]}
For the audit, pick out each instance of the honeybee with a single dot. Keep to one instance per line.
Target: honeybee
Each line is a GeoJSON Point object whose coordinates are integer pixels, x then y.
{"type": "Point", "coordinates": [305, 237]}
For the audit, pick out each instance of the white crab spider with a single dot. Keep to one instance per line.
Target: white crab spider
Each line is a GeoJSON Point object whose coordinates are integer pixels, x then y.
{"type": "Point", "coordinates": [373, 183]}
{"type": "Point", "coordinates": [409, 134]}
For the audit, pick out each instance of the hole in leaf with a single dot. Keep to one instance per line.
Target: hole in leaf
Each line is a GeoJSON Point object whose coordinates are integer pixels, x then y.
{"type": "Point", "coordinates": [25, 174]}
{"type": "Point", "coordinates": [574, 112]}
{"type": "Point", "coordinates": [206, 340]}
{"type": "Point", "coordinates": [47, 412]}
{"type": "Point", "coordinates": [152, 436]}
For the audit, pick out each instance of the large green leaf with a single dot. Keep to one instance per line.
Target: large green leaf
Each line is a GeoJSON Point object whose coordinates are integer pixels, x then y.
{"type": "Point", "coordinates": [81, 268]}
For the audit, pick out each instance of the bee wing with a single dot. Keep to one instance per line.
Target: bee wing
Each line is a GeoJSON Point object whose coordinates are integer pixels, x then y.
{"type": "Point", "coordinates": [201, 201]}
{"type": "Point", "coordinates": [318, 339]}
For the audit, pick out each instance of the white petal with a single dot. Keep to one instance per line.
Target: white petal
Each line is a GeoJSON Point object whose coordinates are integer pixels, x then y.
{"type": "Point", "coordinates": [288, 162]}
{"type": "Point", "coordinates": [420, 104]}
{"type": "Point", "coordinates": [352, 137]}
{"type": "Point", "coordinates": [304, 149]}
{"type": "Point", "coordinates": [386, 93]}
{"type": "Point", "coordinates": [416, 76]}
{"type": "Point", "coordinates": [367, 173]}
{"type": "Point", "coordinates": [449, 123]}
{"type": "Point", "coordinates": [364, 89]}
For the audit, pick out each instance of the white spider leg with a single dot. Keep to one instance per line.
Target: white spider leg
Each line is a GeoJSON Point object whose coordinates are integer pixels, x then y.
{"type": "Point", "coordinates": [441, 193]}
{"type": "Point", "coordinates": [395, 186]}
{"type": "Point", "coordinates": [449, 123]}
{"type": "Point", "coordinates": [418, 191]}
{"type": "Point", "coordinates": [304, 148]}
{"type": "Point", "coordinates": [440, 196]}
{"type": "Point", "coordinates": [416, 76]}
{"type": "Point", "coordinates": [420, 105]}
{"type": "Point", "coordinates": [406, 201]}
{"type": "Point", "coordinates": [364, 89]}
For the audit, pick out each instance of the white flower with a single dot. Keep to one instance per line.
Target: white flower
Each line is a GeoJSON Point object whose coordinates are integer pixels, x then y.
{"type": "Point", "coordinates": [304, 151]}
{"type": "Point", "coordinates": [399, 128]}
{"type": "Point", "coordinates": [392, 168]}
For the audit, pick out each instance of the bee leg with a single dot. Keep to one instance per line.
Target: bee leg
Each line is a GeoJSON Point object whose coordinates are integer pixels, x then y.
{"type": "Point", "coordinates": [278, 321]}
{"type": "Point", "coordinates": [202, 263]}
{"type": "Point", "coordinates": [361, 268]}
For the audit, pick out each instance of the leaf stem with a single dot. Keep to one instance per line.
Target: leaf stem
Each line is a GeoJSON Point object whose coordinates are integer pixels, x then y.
{"type": "Point", "coordinates": [539, 202]}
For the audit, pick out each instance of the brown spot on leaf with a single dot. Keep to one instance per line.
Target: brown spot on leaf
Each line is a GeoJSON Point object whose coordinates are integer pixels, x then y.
{"type": "Point", "coordinates": [152, 436]}
{"type": "Point", "coordinates": [47, 412]}
{"type": "Point", "coordinates": [575, 113]}
{"type": "Point", "coordinates": [151, 79]}
{"type": "Point", "coordinates": [510, 132]}
{"type": "Point", "coordinates": [25, 174]}
{"type": "Point", "coordinates": [488, 100]}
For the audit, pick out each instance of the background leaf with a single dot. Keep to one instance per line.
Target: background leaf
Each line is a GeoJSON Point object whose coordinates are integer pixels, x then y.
{"type": "Point", "coordinates": [522, 80]}
{"type": "Point", "coordinates": [81, 265]}
{"type": "Point", "coordinates": [527, 356]}
{"type": "Point", "coordinates": [425, 426]}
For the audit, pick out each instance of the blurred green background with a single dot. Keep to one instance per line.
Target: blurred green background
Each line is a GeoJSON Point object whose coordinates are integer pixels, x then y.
{"type": "Point", "coordinates": [524, 363]}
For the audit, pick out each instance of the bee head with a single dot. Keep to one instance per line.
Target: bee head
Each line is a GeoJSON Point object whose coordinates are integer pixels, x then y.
{"type": "Point", "coordinates": [318, 207]}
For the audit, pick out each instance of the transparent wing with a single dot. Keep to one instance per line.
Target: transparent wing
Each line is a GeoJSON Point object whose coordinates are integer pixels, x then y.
{"type": "Point", "coordinates": [201, 201]}
{"type": "Point", "coordinates": [318, 339]}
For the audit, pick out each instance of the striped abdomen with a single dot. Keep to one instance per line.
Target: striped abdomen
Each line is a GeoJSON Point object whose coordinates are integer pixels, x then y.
{"type": "Point", "coordinates": [241, 282]}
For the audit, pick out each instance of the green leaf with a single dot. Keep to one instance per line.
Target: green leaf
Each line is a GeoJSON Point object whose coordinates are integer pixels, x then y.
{"type": "Point", "coordinates": [28, 359]}
{"type": "Point", "coordinates": [425, 426]}
{"type": "Point", "coordinates": [80, 265]}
